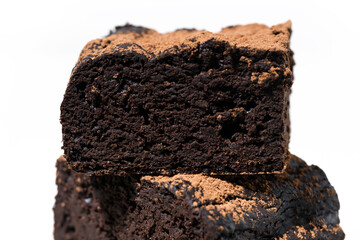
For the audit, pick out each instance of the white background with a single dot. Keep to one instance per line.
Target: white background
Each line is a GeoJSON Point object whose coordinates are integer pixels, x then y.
{"type": "Point", "coordinates": [39, 45]}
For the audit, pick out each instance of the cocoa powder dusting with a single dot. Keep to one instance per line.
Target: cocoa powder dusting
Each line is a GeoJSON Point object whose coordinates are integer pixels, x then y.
{"type": "Point", "coordinates": [213, 194]}
{"type": "Point", "coordinates": [150, 42]}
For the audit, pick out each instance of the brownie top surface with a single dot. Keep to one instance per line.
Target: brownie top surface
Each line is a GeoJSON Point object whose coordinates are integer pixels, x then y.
{"type": "Point", "coordinates": [151, 43]}
{"type": "Point", "coordinates": [217, 189]}
{"type": "Point", "coordinates": [250, 192]}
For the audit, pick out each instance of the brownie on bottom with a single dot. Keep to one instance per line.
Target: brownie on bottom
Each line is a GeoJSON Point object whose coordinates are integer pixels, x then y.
{"type": "Point", "coordinates": [298, 204]}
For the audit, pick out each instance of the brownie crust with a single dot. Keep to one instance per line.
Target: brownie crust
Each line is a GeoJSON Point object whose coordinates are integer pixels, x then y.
{"type": "Point", "coordinates": [183, 102]}
{"type": "Point", "coordinates": [299, 204]}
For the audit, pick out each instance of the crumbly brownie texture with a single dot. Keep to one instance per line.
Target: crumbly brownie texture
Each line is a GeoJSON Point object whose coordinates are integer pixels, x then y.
{"type": "Point", "coordinates": [312, 232]}
{"type": "Point", "coordinates": [298, 204]}
{"type": "Point", "coordinates": [89, 208]}
{"type": "Point", "coordinates": [182, 102]}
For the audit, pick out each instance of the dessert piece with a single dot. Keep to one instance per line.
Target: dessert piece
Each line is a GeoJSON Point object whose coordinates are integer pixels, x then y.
{"type": "Point", "coordinates": [298, 203]}
{"type": "Point", "coordinates": [188, 101]}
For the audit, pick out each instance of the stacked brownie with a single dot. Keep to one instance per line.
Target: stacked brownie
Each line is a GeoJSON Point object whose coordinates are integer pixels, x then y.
{"type": "Point", "coordinates": [185, 135]}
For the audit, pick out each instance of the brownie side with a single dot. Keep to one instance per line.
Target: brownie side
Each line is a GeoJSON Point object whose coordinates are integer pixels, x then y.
{"type": "Point", "coordinates": [300, 202]}
{"type": "Point", "coordinates": [117, 207]}
{"type": "Point", "coordinates": [206, 106]}
{"type": "Point", "coordinates": [88, 207]}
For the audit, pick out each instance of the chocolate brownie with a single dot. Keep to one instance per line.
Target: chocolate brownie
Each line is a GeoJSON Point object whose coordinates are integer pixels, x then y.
{"type": "Point", "coordinates": [298, 204]}
{"type": "Point", "coordinates": [188, 101]}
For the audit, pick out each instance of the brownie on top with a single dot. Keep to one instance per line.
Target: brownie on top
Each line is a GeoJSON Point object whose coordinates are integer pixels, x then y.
{"type": "Point", "coordinates": [187, 101]}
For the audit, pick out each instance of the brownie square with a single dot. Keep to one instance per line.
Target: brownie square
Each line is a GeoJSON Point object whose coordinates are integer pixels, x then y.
{"type": "Point", "coordinates": [298, 204]}
{"type": "Point", "coordinates": [188, 101]}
